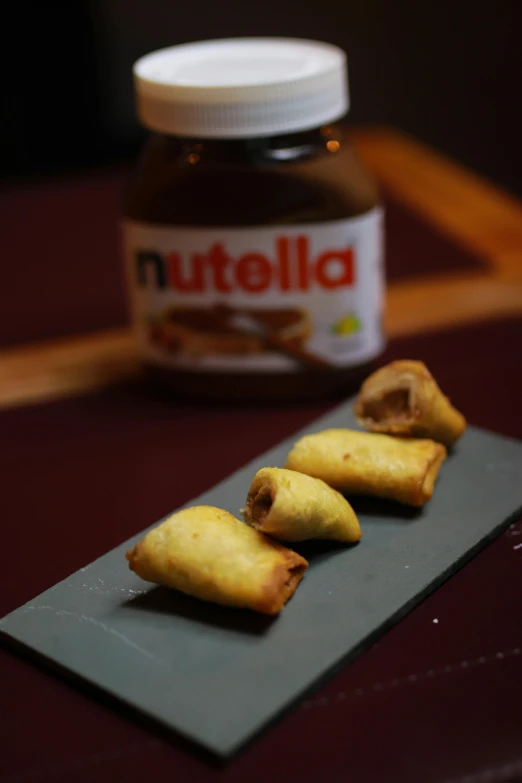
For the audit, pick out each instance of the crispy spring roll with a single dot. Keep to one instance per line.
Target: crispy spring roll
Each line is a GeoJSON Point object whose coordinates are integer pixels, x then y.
{"type": "Point", "coordinates": [403, 398]}
{"type": "Point", "coordinates": [208, 553]}
{"type": "Point", "coordinates": [362, 463]}
{"type": "Point", "coordinates": [294, 507]}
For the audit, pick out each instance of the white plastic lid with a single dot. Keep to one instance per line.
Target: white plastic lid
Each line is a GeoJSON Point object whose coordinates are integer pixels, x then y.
{"type": "Point", "coordinates": [241, 87]}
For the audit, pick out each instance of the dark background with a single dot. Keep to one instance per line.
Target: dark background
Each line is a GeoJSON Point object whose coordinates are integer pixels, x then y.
{"type": "Point", "coordinates": [448, 72]}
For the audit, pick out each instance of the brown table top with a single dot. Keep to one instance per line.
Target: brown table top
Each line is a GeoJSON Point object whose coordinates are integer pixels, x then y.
{"type": "Point", "coordinates": [431, 701]}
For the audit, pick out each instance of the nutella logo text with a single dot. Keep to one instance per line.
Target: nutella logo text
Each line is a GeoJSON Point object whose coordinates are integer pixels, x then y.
{"type": "Point", "coordinates": [291, 268]}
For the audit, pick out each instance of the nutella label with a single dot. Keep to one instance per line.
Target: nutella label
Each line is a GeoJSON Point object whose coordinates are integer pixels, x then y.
{"type": "Point", "coordinates": [252, 299]}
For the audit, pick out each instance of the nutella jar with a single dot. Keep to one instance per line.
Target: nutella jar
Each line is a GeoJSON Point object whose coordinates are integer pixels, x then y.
{"type": "Point", "coordinates": [253, 235]}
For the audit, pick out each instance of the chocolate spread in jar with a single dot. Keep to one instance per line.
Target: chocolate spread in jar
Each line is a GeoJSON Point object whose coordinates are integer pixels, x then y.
{"type": "Point", "coordinates": [255, 256]}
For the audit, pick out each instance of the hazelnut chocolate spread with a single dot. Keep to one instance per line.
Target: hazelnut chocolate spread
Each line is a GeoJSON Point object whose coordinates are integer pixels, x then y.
{"type": "Point", "coordinates": [254, 254]}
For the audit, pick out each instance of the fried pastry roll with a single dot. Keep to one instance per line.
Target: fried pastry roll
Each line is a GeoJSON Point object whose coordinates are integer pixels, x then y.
{"type": "Point", "coordinates": [207, 553]}
{"type": "Point", "coordinates": [295, 507]}
{"type": "Point", "coordinates": [403, 398]}
{"type": "Point", "coordinates": [366, 464]}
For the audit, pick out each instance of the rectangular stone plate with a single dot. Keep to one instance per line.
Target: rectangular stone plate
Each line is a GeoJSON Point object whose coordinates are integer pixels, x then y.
{"type": "Point", "coordinates": [218, 675]}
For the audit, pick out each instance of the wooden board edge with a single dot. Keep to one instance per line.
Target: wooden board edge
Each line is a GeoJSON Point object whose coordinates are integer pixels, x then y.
{"type": "Point", "coordinates": [475, 213]}
{"type": "Point", "coordinates": [61, 368]}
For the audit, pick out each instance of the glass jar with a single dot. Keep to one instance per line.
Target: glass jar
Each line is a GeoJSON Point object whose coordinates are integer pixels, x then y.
{"type": "Point", "coordinates": [253, 234]}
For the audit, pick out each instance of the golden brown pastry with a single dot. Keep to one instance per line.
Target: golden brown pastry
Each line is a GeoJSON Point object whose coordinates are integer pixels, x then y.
{"type": "Point", "coordinates": [206, 552]}
{"type": "Point", "coordinates": [366, 464]}
{"type": "Point", "coordinates": [295, 507]}
{"type": "Point", "coordinates": [403, 398]}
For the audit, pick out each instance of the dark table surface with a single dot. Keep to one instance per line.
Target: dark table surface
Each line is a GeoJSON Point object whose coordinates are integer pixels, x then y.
{"type": "Point", "coordinates": [438, 698]}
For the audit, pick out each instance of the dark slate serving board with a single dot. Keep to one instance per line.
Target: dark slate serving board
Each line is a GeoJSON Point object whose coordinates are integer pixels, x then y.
{"type": "Point", "coordinates": [218, 675]}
